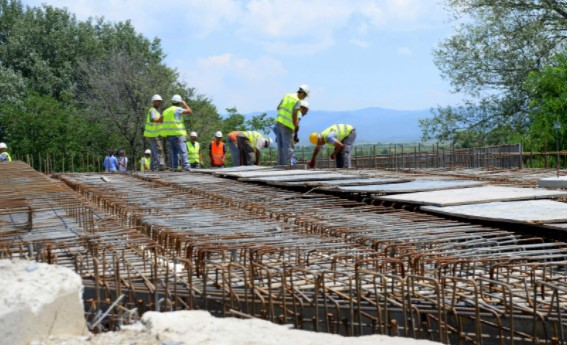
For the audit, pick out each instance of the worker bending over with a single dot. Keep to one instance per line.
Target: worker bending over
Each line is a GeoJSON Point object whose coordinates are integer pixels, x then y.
{"type": "Point", "coordinates": [4, 155]}
{"type": "Point", "coordinates": [146, 161]}
{"type": "Point", "coordinates": [340, 137]}
{"type": "Point", "coordinates": [232, 143]}
{"type": "Point", "coordinates": [194, 151]}
{"type": "Point", "coordinates": [173, 128]}
{"type": "Point", "coordinates": [287, 122]}
{"type": "Point", "coordinates": [249, 144]}
{"type": "Point", "coordinates": [217, 151]}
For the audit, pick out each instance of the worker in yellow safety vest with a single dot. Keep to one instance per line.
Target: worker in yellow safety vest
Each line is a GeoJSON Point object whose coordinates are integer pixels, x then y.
{"type": "Point", "coordinates": [173, 128]}
{"type": "Point", "coordinates": [249, 144]}
{"type": "Point", "coordinates": [194, 151]}
{"type": "Point", "coordinates": [287, 122]}
{"type": "Point", "coordinates": [146, 161]}
{"type": "Point", "coordinates": [152, 131]}
{"type": "Point", "coordinates": [4, 155]}
{"type": "Point", "coordinates": [217, 151]}
{"type": "Point", "coordinates": [341, 138]}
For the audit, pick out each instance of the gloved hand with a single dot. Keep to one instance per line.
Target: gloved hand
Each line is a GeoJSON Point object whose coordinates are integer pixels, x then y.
{"type": "Point", "coordinates": [295, 138]}
{"type": "Point", "coordinates": [312, 164]}
{"type": "Point", "coordinates": [333, 155]}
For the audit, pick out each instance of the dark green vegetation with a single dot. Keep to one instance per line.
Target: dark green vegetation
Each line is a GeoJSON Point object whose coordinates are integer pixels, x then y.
{"type": "Point", "coordinates": [508, 56]}
{"type": "Point", "coordinates": [75, 89]}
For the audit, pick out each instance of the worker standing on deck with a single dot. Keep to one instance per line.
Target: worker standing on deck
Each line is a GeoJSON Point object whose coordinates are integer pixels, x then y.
{"type": "Point", "coordinates": [152, 132]}
{"type": "Point", "coordinates": [194, 151]}
{"type": "Point", "coordinates": [4, 155]}
{"type": "Point", "coordinates": [146, 161]}
{"type": "Point", "coordinates": [110, 162]}
{"type": "Point", "coordinates": [122, 161]}
{"type": "Point", "coordinates": [173, 128]}
{"type": "Point", "coordinates": [340, 137]}
{"type": "Point", "coordinates": [232, 143]}
{"type": "Point", "coordinates": [249, 144]}
{"type": "Point", "coordinates": [217, 151]}
{"type": "Point", "coordinates": [287, 123]}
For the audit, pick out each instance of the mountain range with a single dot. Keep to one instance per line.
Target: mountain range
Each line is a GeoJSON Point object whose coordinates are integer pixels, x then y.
{"type": "Point", "coordinates": [372, 124]}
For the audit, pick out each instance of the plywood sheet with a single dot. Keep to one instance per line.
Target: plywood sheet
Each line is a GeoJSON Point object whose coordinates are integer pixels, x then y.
{"type": "Point", "coordinates": [269, 172]}
{"type": "Point", "coordinates": [220, 171]}
{"type": "Point", "coordinates": [344, 182]}
{"type": "Point", "coordinates": [527, 212]}
{"type": "Point", "coordinates": [407, 187]}
{"type": "Point", "coordinates": [295, 177]}
{"type": "Point", "coordinates": [474, 195]}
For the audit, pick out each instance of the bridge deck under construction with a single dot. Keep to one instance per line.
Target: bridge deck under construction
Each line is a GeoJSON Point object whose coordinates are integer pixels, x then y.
{"type": "Point", "coordinates": [310, 258]}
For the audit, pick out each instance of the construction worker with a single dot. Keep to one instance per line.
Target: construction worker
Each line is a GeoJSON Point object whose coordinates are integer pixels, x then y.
{"type": "Point", "coordinates": [173, 128]}
{"type": "Point", "coordinates": [122, 161]}
{"type": "Point", "coordinates": [152, 132]}
{"type": "Point", "coordinates": [193, 151]}
{"type": "Point", "coordinates": [146, 161]}
{"type": "Point", "coordinates": [217, 151]}
{"type": "Point", "coordinates": [4, 155]}
{"type": "Point", "coordinates": [340, 137]}
{"type": "Point", "coordinates": [287, 122]}
{"type": "Point", "coordinates": [110, 163]}
{"type": "Point", "coordinates": [232, 143]}
{"type": "Point", "coordinates": [249, 145]}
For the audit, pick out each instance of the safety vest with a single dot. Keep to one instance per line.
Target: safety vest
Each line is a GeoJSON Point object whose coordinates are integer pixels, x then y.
{"type": "Point", "coordinates": [342, 132]}
{"type": "Point", "coordinates": [170, 126]}
{"type": "Point", "coordinates": [232, 135]}
{"type": "Point", "coordinates": [152, 129]}
{"type": "Point", "coordinates": [5, 157]}
{"type": "Point", "coordinates": [193, 152]}
{"type": "Point", "coordinates": [217, 153]}
{"type": "Point", "coordinates": [145, 164]}
{"type": "Point", "coordinates": [252, 136]}
{"type": "Point", "coordinates": [285, 110]}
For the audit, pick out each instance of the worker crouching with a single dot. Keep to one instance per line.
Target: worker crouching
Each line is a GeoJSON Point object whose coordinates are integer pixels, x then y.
{"type": "Point", "coordinates": [341, 138]}
{"type": "Point", "coordinates": [249, 144]}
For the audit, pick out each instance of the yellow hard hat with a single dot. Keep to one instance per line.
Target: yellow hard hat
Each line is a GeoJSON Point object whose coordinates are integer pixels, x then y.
{"type": "Point", "coordinates": [314, 138]}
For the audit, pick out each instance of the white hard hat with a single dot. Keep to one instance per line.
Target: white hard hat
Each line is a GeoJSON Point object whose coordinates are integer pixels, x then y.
{"type": "Point", "coordinates": [148, 152]}
{"type": "Point", "coordinates": [218, 134]}
{"type": "Point", "coordinates": [3, 146]}
{"type": "Point", "coordinates": [305, 88]}
{"type": "Point", "coordinates": [304, 103]}
{"type": "Point", "coordinates": [268, 142]}
{"type": "Point", "coordinates": [193, 134]}
{"type": "Point", "coordinates": [176, 99]}
{"type": "Point", "coordinates": [156, 97]}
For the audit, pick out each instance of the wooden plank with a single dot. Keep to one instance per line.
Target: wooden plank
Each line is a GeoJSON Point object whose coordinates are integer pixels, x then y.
{"type": "Point", "coordinates": [524, 212]}
{"type": "Point", "coordinates": [406, 187]}
{"type": "Point", "coordinates": [473, 195]}
{"type": "Point", "coordinates": [270, 172]}
{"type": "Point", "coordinates": [344, 182]}
{"type": "Point", "coordinates": [295, 177]}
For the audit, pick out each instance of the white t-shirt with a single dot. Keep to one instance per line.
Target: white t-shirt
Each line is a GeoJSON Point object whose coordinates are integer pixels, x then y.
{"type": "Point", "coordinates": [122, 163]}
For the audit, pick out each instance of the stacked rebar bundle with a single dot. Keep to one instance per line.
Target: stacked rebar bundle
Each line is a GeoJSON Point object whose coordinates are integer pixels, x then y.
{"type": "Point", "coordinates": [186, 241]}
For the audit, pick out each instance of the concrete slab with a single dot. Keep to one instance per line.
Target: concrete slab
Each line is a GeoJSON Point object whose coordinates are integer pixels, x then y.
{"type": "Point", "coordinates": [474, 195]}
{"type": "Point", "coordinates": [269, 172]}
{"type": "Point", "coordinates": [300, 177]}
{"type": "Point", "coordinates": [526, 212]}
{"type": "Point", "coordinates": [407, 187]}
{"type": "Point", "coordinates": [553, 182]}
{"type": "Point", "coordinates": [345, 182]}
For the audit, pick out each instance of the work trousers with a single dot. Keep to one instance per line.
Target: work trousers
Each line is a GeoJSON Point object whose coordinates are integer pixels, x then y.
{"type": "Point", "coordinates": [284, 138]}
{"type": "Point", "coordinates": [178, 146]}
{"type": "Point", "coordinates": [247, 151]}
{"type": "Point", "coordinates": [344, 158]}
{"type": "Point", "coordinates": [234, 152]}
{"type": "Point", "coordinates": [158, 159]}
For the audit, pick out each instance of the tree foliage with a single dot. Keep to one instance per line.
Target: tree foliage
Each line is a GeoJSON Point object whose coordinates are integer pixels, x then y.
{"type": "Point", "coordinates": [496, 45]}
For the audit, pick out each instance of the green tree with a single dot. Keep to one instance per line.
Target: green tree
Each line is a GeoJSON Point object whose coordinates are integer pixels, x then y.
{"type": "Point", "coordinates": [261, 123]}
{"type": "Point", "coordinates": [496, 45]}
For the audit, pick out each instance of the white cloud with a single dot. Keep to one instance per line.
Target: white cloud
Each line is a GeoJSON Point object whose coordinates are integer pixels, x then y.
{"type": "Point", "coordinates": [359, 43]}
{"type": "Point", "coordinates": [405, 51]}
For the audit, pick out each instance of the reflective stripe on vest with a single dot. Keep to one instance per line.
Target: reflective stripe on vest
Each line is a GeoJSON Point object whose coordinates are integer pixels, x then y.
{"type": "Point", "coordinates": [170, 126]}
{"type": "Point", "coordinates": [285, 110]}
{"type": "Point", "coordinates": [217, 153]}
{"type": "Point", "coordinates": [342, 132]}
{"type": "Point", "coordinates": [145, 164]}
{"type": "Point", "coordinates": [193, 152]}
{"type": "Point", "coordinates": [152, 129]}
{"type": "Point", "coordinates": [252, 136]}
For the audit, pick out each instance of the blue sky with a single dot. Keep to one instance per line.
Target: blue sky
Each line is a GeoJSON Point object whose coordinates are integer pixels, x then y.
{"type": "Point", "coordinates": [247, 53]}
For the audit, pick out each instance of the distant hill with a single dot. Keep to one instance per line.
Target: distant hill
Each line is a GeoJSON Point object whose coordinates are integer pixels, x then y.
{"type": "Point", "coordinates": [372, 124]}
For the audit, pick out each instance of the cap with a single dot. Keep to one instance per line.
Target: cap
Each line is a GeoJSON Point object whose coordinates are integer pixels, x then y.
{"type": "Point", "coordinates": [304, 88]}
{"type": "Point", "coordinates": [193, 134]}
{"type": "Point", "coordinates": [304, 103]}
{"type": "Point", "coordinates": [218, 134]}
{"type": "Point", "coordinates": [176, 99]}
{"type": "Point", "coordinates": [156, 97]}
{"type": "Point", "coordinates": [148, 152]}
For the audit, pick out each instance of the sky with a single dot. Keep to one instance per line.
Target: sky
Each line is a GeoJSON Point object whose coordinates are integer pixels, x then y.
{"type": "Point", "coordinates": [247, 54]}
